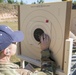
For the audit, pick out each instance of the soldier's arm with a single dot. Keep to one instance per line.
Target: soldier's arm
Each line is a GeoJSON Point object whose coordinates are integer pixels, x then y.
{"type": "Point", "coordinates": [45, 51]}
{"type": "Point", "coordinates": [47, 55]}
{"type": "Point", "coordinates": [47, 60]}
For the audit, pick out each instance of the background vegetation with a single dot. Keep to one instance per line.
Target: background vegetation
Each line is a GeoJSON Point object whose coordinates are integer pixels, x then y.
{"type": "Point", "coordinates": [37, 2]}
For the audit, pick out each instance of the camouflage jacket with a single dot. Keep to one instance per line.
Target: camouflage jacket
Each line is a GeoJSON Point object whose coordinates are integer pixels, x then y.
{"type": "Point", "coordinates": [12, 69]}
{"type": "Point", "coordinates": [47, 66]}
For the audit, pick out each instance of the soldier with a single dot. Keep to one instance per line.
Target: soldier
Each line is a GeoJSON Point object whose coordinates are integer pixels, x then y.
{"type": "Point", "coordinates": [8, 45]}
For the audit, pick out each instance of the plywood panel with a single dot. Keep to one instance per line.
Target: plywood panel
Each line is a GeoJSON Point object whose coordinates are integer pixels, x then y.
{"type": "Point", "coordinates": [68, 56]}
{"type": "Point", "coordinates": [52, 19]}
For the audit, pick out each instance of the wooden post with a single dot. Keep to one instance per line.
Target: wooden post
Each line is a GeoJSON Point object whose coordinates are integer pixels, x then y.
{"type": "Point", "coordinates": [22, 64]}
{"type": "Point", "coordinates": [68, 56]}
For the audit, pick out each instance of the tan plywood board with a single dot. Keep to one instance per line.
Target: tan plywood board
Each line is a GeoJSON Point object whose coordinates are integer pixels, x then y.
{"type": "Point", "coordinates": [68, 56]}
{"type": "Point", "coordinates": [73, 21]}
{"type": "Point", "coordinates": [51, 18]}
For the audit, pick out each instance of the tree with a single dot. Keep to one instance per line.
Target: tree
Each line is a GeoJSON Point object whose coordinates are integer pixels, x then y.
{"type": "Point", "coordinates": [41, 1]}
{"type": "Point", "coordinates": [34, 3]}
{"type": "Point", "coordinates": [10, 1]}
{"type": "Point", "coordinates": [74, 2]}
{"type": "Point", "coordinates": [21, 2]}
{"type": "Point", "coordinates": [38, 2]}
{"type": "Point", "coordinates": [74, 5]}
{"type": "Point", "coordinates": [1, 1]}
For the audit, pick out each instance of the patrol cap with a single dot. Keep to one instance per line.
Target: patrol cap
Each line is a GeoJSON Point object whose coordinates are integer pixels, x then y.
{"type": "Point", "coordinates": [8, 36]}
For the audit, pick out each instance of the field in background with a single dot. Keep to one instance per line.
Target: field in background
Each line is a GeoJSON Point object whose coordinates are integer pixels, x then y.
{"type": "Point", "coordinates": [14, 26]}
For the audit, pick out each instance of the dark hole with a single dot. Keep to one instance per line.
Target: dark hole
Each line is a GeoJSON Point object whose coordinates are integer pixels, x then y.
{"type": "Point", "coordinates": [37, 33]}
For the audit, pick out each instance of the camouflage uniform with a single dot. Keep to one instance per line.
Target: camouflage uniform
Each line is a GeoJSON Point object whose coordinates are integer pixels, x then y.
{"type": "Point", "coordinates": [12, 69]}
{"type": "Point", "coordinates": [47, 66]}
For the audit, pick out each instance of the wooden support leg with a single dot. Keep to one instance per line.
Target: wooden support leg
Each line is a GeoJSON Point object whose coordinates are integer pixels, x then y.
{"type": "Point", "coordinates": [22, 64]}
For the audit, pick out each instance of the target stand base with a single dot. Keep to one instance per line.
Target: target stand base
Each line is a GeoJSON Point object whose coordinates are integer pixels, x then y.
{"type": "Point", "coordinates": [30, 60]}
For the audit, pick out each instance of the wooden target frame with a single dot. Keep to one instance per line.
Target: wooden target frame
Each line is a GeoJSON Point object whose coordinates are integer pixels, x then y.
{"type": "Point", "coordinates": [54, 20]}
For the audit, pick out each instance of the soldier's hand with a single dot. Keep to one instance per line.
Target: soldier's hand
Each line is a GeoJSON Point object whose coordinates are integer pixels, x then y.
{"type": "Point", "coordinates": [44, 41]}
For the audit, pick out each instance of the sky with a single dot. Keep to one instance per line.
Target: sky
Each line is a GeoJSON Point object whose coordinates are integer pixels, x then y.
{"type": "Point", "coordinates": [31, 1]}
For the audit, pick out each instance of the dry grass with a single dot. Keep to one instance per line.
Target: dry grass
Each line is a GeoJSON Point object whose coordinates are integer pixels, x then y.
{"type": "Point", "coordinates": [13, 25]}
{"type": "Point", "coordinates": [8, 8]}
